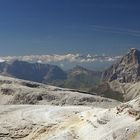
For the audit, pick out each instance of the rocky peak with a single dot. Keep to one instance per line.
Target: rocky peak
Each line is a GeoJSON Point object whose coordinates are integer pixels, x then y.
{"type": "Point", "coordinates": [78, 70]}
{"type": "Point", "coordinates": [126, 70]}
{"type": "Point", "coordinates": [78, 67]}
{"type": "Point", "coordinates": [132, 57]}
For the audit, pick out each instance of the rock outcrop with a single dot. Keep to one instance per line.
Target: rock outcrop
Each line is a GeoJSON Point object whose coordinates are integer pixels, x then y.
{"type": "Point", "coordinates": [82, 78]}
{"type": "Point", "coordinates": [124, 76]}
{"type": "Point", "coordinates": [126, 70]}
{"type": "Point", "coordinates": [15, 91]}
{"type": "Point", "coordinates": [42, 122]}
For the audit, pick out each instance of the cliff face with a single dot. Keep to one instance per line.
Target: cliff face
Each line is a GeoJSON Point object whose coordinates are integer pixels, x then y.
{"type": "Point", "coordinates": [127, 70]}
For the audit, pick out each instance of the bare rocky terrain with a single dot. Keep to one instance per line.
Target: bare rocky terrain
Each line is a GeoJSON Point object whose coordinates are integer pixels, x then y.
{"type": "Point", "coordinates": [43, 122]}
{"type": "Point", "coordinates": [28, 111]}
{"type": "Point", "coordinates": [124, 76]}
{"type": "Point", "coordinates": [126, 70]}
{"type": "Point", "coordinates": [77, 116]}
{"type": "Point", "coordinates": [15, 91]}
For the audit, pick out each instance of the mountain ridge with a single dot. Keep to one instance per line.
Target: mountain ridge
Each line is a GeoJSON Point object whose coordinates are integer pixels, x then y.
{"type": "Point", "coordinates": [76, 78]}
{"type": "Point", "coordinates": [124, 76]}
{"type": "Point", "coordinates": [126, 70]}
{"type": "Point", "coordinates": [32, 71]}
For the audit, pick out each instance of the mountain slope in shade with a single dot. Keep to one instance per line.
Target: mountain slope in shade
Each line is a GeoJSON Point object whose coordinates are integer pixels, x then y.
{"type": "Point", "coordinates": [32, 71]}
{"type": "Point", "coordinates": [77, 78]}
{"type": "Point", "coordinates": [124, 76]}
{"type": "Point", "coordinates": [82, 78]}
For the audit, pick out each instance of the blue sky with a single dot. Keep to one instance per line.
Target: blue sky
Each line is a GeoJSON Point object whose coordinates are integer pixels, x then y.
{"type": "Point", "coordinates": [69, 26]}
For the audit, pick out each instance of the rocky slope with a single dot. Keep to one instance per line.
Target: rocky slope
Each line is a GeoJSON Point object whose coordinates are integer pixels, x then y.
{"type": "Point", "coordinates": [126, 70]}
{"type": "Point", "coordinates": [80, 78]}
{"type": "Point", "coordinates": [124, 76]}
{"type": "Point", "coordinates": [15, 91]}
{"type": "Point", "coordinates": [41, 122]}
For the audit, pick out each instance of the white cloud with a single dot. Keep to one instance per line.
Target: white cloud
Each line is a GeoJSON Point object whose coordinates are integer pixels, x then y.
{"type": "Point", "coordinates": [61, 58]}
{"type": "Point", "coordinates": [1, 60]}
{"type": "Point", "coordinates": [39, 61]}
{"type": "Point", "coordinates": [89, 55]}
{"type": "Point", "coordinates": [115, 30]}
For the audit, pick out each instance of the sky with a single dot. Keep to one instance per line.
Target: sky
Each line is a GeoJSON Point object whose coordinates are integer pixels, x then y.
{"type": "Point", "coordinates": [108, 27]}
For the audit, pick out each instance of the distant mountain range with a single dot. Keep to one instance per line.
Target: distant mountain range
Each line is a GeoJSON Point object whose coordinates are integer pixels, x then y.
{"type": "Point", "coordinates": [76, 78]}
{"type": "Point", "coordinates": [121, 81]}
{"type": "Point", "coordinates": [82, 78]}
{"type": "Point", "coordinates": [32, 71]}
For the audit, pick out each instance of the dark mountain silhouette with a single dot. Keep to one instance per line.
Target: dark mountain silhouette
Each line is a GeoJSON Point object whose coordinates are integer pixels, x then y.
{"type": "Point", "coordinates": [32, 71]}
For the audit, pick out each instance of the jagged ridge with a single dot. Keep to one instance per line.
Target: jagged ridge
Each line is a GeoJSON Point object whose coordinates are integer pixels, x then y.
{"type": "Point", "coordinates": [126, 70]}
